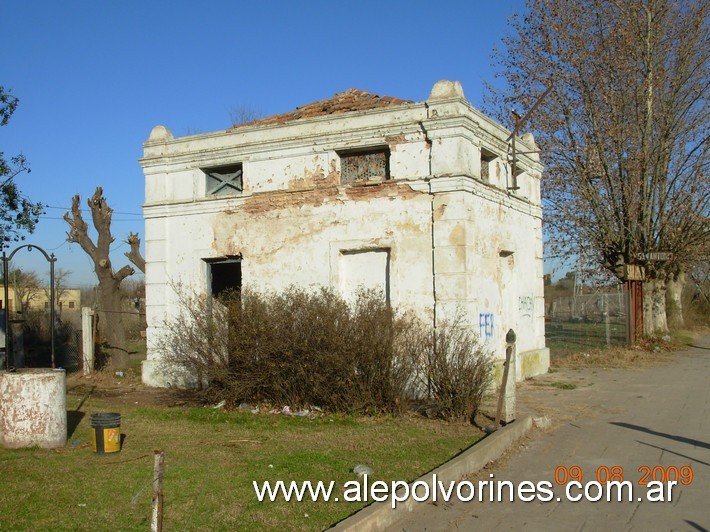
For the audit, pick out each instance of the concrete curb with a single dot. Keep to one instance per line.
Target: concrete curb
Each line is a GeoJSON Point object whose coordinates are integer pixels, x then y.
{"type": "Point", "coordinates": [381, 515]}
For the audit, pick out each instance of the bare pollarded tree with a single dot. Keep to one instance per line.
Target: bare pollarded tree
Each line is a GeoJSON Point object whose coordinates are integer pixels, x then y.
{"type": "Point", "coordinates": [109, 296]}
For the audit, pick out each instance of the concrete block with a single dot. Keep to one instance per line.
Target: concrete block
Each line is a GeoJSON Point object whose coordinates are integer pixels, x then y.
{"type": "Point", "coordinates": [33, 408]}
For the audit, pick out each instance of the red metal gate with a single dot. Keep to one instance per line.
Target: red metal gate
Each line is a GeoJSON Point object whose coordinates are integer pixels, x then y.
{"type": "Point", "coordinates": [634, 293]}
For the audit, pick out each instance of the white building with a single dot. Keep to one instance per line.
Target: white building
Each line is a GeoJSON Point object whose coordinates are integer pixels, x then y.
{"type": "Point", "coordinates": [415, 198]}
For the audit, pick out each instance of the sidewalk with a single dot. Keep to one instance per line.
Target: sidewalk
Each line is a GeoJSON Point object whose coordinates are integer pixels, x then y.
{"type": "Point", "coordinates": [658, 416]}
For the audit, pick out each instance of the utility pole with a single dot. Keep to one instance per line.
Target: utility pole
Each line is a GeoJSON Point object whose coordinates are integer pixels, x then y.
{"type": "Point", "coordinates": [518, 123]}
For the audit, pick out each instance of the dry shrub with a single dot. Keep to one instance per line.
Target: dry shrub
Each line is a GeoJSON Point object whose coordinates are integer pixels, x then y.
{"type": "Point", "coordinates": [310, 348]}
{"type": "Point", "coordinates": [457, 370]}
{"type": "Point", "coordinates": [295, 347]}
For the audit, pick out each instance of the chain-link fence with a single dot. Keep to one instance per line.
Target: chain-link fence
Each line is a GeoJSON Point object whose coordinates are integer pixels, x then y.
{"type": "Point", "coordinates": [68, 354]}
{"type": "Point", "coordinates": [586, 321]}
{"type": "Point", "coordinates": [31, 342]}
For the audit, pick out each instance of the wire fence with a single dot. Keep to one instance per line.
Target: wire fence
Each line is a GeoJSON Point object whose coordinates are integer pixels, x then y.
{"type": "Point", "coordinates": [30, 342]}
{"type": "Point", "coordinates": [68, 352]}
{"type": "Point", "coordinates": [586, 321]}
{"type": "Point", "coordinates": [29, 336]}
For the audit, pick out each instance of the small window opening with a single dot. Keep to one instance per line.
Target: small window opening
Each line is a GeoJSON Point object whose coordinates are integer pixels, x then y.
{"type": "Point", "coordinates": [487, 157]}
{"type": "Point", "coordinates": [365, 165]}
{"type": "Point", "coordinates": [225, 275]}
{"type": "Point", "coordinates": [224, 180]}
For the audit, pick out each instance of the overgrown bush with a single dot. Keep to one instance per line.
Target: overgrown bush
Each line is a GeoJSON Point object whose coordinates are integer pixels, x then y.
{"type": "Point", "coordinates": [304, 348]}
{"type": "Point", "coordinates": [456, 370]}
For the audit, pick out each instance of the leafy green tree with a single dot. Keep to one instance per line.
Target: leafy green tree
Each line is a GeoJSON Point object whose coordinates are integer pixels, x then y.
{"type": "Point", "coordinates": [17, 213]}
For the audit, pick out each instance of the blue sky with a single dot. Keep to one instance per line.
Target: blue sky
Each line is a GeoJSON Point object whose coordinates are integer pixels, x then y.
{"type": "Point", "coordinates": [94, 77]}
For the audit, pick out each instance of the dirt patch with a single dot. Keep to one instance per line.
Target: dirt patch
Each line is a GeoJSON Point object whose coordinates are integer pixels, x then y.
{"type": "Point", "coordinates": [637, 357]}
{"type": "Point", "coordinates": [127, 390]}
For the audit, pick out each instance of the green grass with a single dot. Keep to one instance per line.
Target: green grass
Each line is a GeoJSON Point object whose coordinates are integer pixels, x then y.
{"type": "Point", "coordinates": [211, 459]}
{"type": "Point", "coordinates": [136, 354]}
{"type": "Point", "coordinates": [137, 349]}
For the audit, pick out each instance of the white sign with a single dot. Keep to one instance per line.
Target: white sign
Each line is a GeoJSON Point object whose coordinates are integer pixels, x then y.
{"type": "Point", "coordinates": [655, 256]}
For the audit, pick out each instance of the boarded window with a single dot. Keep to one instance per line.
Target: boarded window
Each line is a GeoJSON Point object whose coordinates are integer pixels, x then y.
{"type": "Point", "coordinates": [364, 270]}
{"type": "Point", "coordinates": [370, 165]}
{"type": "Point", "coordinates": [224, 180]}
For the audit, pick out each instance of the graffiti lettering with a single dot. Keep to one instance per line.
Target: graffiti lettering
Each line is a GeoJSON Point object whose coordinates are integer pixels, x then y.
{"type": "Point", "coordinates": [525, 305]}
{"type": "Point", "coordinates": [486, 325]}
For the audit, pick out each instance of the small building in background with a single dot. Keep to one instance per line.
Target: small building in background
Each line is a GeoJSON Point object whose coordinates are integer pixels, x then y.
{"type": "Point", "coordinates": [23, 299]}
{"type": "Point", "coordinates": [420, 200]}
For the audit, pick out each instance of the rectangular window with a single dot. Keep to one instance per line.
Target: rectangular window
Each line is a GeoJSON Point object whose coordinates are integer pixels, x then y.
{"type": "Point", "coordinates": [365, 165]}
{"type": "Point", "coordinates": [224, 275]}
{"type": "Point", "coordinates": [487, 157]}
{"type": "Point", "coordinates": [224, 180]}
{"type": "Point", "coordinates": [72, 304]}
{"type": "Point", "coordinates": [46, 304]}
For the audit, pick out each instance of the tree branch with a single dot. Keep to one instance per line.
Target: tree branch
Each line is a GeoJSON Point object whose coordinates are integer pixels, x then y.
{"type": "Point", "coordinates": [134, 255]}
{"type": "Point", "coordinates": [79, 229]}
{"type": "Point", "coordinates": [124, 272]}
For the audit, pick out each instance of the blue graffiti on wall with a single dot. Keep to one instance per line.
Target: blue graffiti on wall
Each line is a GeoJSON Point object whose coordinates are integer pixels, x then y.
{"type": "Point", "coordinates": [486, 325]}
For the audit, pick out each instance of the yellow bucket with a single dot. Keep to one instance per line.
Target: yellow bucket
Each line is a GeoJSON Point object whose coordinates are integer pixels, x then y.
{"type": "Point", "coordinates": [106, 433]}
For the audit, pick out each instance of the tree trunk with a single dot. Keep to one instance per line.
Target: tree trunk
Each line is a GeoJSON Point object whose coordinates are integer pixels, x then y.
{"type": "Point", "coordinates": [674, 301]}
{"type": "Point", "coordinates": [654, 306]}
{"type": "Point", "coordinates": [111, 326]}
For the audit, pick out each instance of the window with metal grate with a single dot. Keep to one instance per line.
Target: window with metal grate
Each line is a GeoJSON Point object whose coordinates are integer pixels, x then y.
{"type": "Point", "coordinates": [224, 180]}
{"type": "Point", "coordinates": [370, 165]}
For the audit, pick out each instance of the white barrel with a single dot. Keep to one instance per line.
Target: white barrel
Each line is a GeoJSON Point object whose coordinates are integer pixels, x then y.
{"type": "Point", "coordinates": [33, 408]}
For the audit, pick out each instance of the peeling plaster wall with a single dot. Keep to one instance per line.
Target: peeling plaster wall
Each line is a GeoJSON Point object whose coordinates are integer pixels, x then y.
{"type": "Point", "coordinates": [488, 257]}
{"type": "Point", "coordinates": [453, 239]}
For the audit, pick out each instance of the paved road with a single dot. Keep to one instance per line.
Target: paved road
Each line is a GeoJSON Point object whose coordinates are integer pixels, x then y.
{"type": "Point", "coordinates": [650, 417]}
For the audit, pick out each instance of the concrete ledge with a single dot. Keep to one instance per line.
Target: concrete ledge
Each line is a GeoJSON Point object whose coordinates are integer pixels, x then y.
{"type": "Point", "coordinates": [532, 363]}
{"type": "Point", "coordinates": [159, 374]}
{"type": "Point", "coordinates": [527, 364]}
{"type": "Point", "coordinates": [381, 515]}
